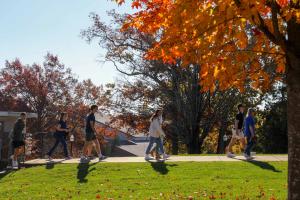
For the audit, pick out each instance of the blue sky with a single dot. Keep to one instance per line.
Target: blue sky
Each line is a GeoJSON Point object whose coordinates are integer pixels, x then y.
{"type": "Point", "coordinates": [31, 28]}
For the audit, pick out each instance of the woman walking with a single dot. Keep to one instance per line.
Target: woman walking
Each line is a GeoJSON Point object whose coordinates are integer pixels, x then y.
{"type": "Point", "coordinates": [155, 132]}
{"type": "Point", "coordinates": [60, 136]}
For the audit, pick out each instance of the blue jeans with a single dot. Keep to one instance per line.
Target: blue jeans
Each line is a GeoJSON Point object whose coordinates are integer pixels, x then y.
{"type": "Point", "coordinates": [60, 138]}
{"type": "Point", "coordinates": [250, 144]}
{"type": "Point", "coordinates": [158, 144]}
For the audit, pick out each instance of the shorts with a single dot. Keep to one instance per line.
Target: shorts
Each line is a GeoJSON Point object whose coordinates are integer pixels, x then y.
{"type": "Point", "coordinates": [240, 134]}
{"type": "Point", "coordinates": [90, 136]}
{"type": "Point", "coordinates": [17, 144]}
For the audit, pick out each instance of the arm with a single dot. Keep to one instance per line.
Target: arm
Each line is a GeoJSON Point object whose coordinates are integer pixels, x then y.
{"type": "Point", "coordinates": [58, 128]}
{"type": "Point", "coordinates": [251, 128]}
{"type": "Point", "coordinates": [236, 126]}
{"type": "Point", "coordinates": [92, 124]}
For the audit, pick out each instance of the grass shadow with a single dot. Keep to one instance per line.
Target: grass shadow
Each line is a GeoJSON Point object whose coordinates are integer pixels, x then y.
{"type": "Point", "coordinates": [83, 171]}
{"type": "Point", "coordinates": [161, 167]}
{"type": "Point", "coordinates": [51, 164]}
{"type": "Point", "coordinates": [264, 165]}
{"type": "Point", "coordinates": [261, 164]}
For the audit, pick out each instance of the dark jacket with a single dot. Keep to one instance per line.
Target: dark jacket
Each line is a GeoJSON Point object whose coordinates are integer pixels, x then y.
{"type": "Point", "coordinates": [17, 134]}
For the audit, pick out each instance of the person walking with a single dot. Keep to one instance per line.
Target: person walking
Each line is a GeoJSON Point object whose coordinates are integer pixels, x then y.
{"type": "Point", "coordinates": [18, 141]}
{"type": "Point", "coordinates": [250, 133]}
{"type": "Point", "coordinates": [60, 136]}
{"type": "Point", "coordinates": [91, 137]}
{"type": "Point", "coordinates": [155, 132]}
{"type": "Point", "coordinates": [237, 131]}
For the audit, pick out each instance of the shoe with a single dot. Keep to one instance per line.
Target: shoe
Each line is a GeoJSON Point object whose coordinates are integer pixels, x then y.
{"type": "Point", "coordinates": [247, 157]}
{"type": "Point", "coordinates": [102, 157]}
{"type": "Point", "coordinates": [68, 158]}
{"type": "Point", "coordinates": [48, 157]}
{"type": "Point", "coordinates": [230, 155]}
{"type": "Point", "coordinates": [165, 156]}
{"type": "Point", "coordinates": [84, 159]}
{"type": "Point", "coordinates": [147, 157]}
{"type": "Point", "coordinates": [15, 164]}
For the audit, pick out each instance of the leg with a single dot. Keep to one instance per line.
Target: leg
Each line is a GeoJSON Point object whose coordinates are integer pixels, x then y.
{"type": "Point", "coordinates": [17, 152]}
{"type": "Point", "coordinates": [232, 142]}
{"type": "Point", "coordinates": [249, 146]}
{"type": "Point", "coordinates": [152, 140]}
{"type": "Point", "coordinates": [160, 145]}
{"type": "Point", "coordinates": [97, 146]}
{"type": "Point", "coordinates": [65, 146]}
{"type": "Point", "coordinates": [53, 148]}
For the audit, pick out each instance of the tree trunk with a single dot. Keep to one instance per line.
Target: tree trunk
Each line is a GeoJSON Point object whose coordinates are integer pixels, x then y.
{"type": "Point", "coordinates": [293, 117]}
{"type": "Point", "coordinates": [194, 144]}
{"type": "Point", "coordinates": [175, 144]}
{"type": "Point", "coordinates": [293, 108]}
{"type": "Point", "coordinates": [221, 143]}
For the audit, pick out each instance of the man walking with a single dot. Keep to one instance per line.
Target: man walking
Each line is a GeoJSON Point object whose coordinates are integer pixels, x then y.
{"type": "Point", "coordinates": [250, 133]}
{"type": "Point", "coordinates": [90, 136]}
{"type": "Point", "coordinates": [237, 132]}
{"type": "Point", "coordinates": [18, 142]}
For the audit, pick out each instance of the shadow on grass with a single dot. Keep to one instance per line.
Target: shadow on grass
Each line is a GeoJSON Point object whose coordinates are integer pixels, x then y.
{"type": "Point", "coordinates": [83, 171]}
{"type": "Point", "coordinates": [161, 167]}
{"type": "Point", "coordinates": [261, 164]}
{"type": "Point", "coordinates": [51, 164]}
{"type": "Point", "coordinates": [264, 165]}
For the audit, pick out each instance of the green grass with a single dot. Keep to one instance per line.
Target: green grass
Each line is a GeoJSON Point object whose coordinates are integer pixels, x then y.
{"type": "Point", "coordinates": [200, 180]}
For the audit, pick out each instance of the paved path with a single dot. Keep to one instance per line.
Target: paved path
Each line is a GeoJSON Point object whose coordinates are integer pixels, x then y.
{"type": "Point", "coordinates": [171, 159]}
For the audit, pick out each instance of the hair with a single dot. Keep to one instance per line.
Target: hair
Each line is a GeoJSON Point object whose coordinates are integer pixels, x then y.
{"type": "Point", "coordinates": [23, 114]}
{"type": "Point", "coordinates": [62, 116]}
{"type": "Point", "coordinates": [250, 111]}
{"type": "Point", "coordinates": [155, 115]}
{"type": "Point", "coordinates": [93, 107]}
{"type": "Point", "coordinates": [239, 106]}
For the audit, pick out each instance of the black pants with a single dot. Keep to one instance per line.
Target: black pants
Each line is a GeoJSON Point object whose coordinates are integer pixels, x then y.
{"type": "Point", "coordinates": [60, 138]}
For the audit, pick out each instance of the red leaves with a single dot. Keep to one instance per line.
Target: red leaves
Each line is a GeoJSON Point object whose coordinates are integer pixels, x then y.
{"type": "Point", "coordinates": [283, 3]}
{"type": "Point", "coordinates": [256, 32]}
{"type": "Point", "coordinates": [98, 196]}
{"type": "Point", "coordinates": [136, 4]}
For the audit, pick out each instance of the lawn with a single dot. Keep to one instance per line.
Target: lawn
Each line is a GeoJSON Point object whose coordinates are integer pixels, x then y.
{"type": "Point", "coordinates": [181, 180]}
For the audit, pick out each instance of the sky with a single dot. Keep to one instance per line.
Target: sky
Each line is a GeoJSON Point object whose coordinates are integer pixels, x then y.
{"type": "Point", "coordinates": [31, 28]}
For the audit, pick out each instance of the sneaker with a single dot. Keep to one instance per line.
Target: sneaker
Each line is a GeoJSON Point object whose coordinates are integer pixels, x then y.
{"type": "Point", "coordinates": [147, 157]}
{"type": "Point", "coordinates": [230, 155]}
{"type": "Point", "coordinates": [48, 157]}
{"type": "Point", "coordinates": [165, 156]}
{"type": "Point", "coordinates": [68, 158]}
{"type": "Point", "coordinates": [84, 159]}
{"type": "Point", "coordinates": [15, 164]}
{"type": "Point", "coordinates": [102, 157]}
{"type": "Point", "coordinates": [247, 157]}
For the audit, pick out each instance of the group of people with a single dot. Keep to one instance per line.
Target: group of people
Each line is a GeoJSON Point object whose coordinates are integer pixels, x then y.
{"type": "Point", "coordinates": [243, 131]}
{"type": "Point", "coordinates": [60, 135]}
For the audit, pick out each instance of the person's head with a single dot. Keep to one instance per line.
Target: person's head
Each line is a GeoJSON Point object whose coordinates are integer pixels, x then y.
{"type": "Point", "coordinates": [23, 116]}
{"type": "Point", "coordinates": [156, 114]}
{"type": "Point", "coordinates": [94, 108]}
{"type": "Point", "coordinates": [241, 108]}
{"type": "Point", "coordinates": [251, 112]}
{"type": "Point", "coordinates": [63, 116]}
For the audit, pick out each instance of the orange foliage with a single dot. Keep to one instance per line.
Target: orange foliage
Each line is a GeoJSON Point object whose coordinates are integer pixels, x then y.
{"type": "Point", "coordinates": [216, 35]}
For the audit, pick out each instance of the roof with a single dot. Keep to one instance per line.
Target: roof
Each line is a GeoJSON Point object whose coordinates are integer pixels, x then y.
{"type": "Point", "coordinates": [16, 114]}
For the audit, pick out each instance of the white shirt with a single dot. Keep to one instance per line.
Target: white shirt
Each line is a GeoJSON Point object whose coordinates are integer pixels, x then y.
{"type": "Point", "coordinates": [155, 129]}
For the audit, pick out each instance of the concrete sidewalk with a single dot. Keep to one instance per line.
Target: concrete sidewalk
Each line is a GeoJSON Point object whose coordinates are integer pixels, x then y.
{"type": "Point", "coordinates": [266, 158]}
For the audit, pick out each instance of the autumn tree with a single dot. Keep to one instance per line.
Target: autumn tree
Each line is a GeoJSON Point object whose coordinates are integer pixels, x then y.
{"type": "Point", "coordinates": [190, 111]}
{"type": "Point", "coordinates": [43, 88]}
{"type": "Point", "coordinates": [213, 34]}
